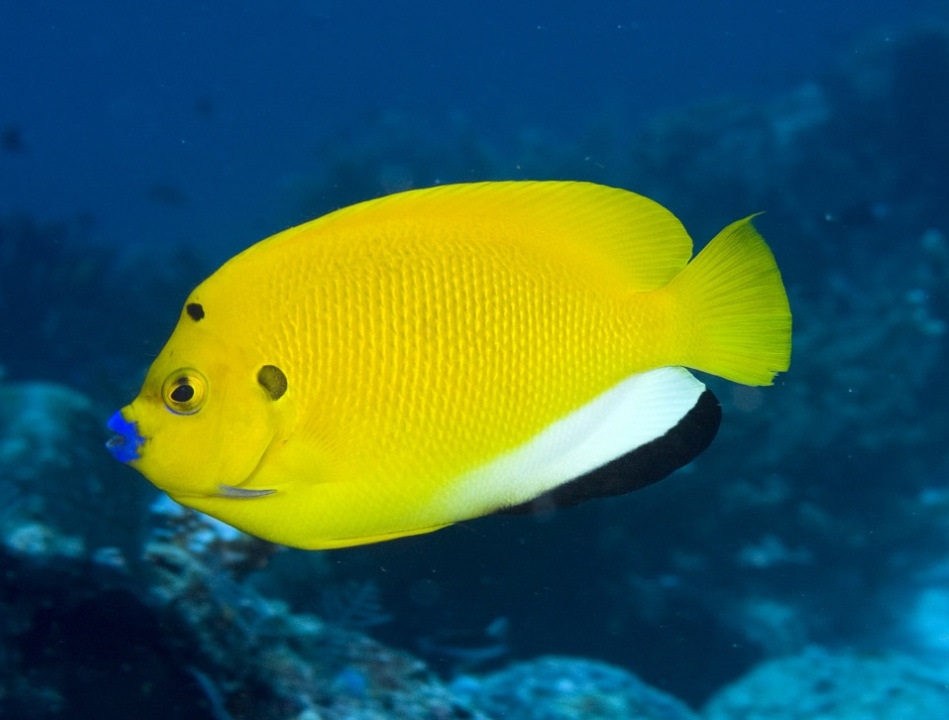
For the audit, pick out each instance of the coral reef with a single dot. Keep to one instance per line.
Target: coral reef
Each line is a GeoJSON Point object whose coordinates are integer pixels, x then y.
{"type": "Point", "coordinates": [164, 599]}
{"type": "Point", "coordinates": [561, 688]}
{"type": "Point", "coordinates": [59, 495]}
{"type": "Point", "coordinates": [255, 658]}
{"type": "Point", "coordinates": [838, 687]}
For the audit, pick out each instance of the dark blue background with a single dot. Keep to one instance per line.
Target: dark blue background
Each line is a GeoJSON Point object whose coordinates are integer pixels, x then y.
{"type": "Point", "coordinates": [216, 109]}
{"type": "Point", "coordinates": [129, 131]}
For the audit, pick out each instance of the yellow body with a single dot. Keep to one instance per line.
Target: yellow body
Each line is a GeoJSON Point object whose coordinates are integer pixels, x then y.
{"type": "Point", "coordinates": [425, 335]}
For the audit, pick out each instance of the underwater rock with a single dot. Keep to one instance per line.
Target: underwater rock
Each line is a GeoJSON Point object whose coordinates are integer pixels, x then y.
{"type": "Point", "coordinates": [89, 640]}
{"type": "Point", "coordinates": [254, 657]}
{"type": "Point", "coordinates": [563, 688]}
{"type": "Point", "coordinates": [59, 493]}
{"type": "Point", "coordinates": [817, 683]}
{"type": "Point", "coordinates": [77, 641]}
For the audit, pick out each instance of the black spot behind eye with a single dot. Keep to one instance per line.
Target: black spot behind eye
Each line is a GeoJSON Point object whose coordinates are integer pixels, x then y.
{"type": "Point", "coordinates": [195, 311]}
{"type": "Point", "coordinates": [273, 381]}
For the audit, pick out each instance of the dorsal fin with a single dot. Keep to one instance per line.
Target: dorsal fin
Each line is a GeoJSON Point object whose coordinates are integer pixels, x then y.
{"type": "Point", "coordinates": [637, 236]}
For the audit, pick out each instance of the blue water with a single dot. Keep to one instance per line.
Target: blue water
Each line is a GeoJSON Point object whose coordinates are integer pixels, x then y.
{"type": "Point", "coordinates": [142, 144]}
{"type": "Point", "coordinates": [228, 103]}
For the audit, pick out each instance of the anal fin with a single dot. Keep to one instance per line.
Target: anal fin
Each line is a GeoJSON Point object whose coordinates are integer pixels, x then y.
{"type": "Point", "coordinates": [640, 467]}
{"type": "Point", "coordinates": [631, 435]}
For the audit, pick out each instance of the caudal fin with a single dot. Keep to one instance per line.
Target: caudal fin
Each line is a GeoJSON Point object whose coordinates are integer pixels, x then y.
{"type": "Point", "coordinates": [734, 297]}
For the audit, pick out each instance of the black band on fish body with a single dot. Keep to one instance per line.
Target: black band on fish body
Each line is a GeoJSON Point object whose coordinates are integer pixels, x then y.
{"type": "Point", "coordinates": [643, 466]}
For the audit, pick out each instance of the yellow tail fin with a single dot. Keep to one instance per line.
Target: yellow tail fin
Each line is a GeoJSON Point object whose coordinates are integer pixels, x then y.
{"type": "Point", "coordinates": [733, 297]}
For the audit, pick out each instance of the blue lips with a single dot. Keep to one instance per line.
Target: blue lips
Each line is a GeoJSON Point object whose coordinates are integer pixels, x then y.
{"type": "Point", "coordinates": [125, 444]}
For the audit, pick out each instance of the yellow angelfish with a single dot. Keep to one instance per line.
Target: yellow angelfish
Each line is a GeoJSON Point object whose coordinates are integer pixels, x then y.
{"type": "Point", "coordinates": [440, 354]}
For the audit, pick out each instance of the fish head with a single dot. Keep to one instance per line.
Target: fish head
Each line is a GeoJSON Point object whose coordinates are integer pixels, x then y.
{"type": "Point", "coordinates": [205, 417]}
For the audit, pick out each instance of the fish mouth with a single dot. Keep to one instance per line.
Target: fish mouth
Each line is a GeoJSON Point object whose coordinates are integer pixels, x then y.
{"type": "Point", "coordinates": [127, 441]}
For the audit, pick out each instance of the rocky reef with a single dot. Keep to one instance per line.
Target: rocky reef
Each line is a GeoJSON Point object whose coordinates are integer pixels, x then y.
{"type": "Point", "coordinates": [846, 686]}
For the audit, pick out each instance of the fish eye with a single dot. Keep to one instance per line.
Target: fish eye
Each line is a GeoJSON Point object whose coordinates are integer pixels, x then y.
{"type": "Point", "coordinates": [184, 391]}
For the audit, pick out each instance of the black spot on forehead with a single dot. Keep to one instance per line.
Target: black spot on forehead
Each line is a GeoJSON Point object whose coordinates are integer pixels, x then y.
{"type": "Point", "coordinates": [195, 311]}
